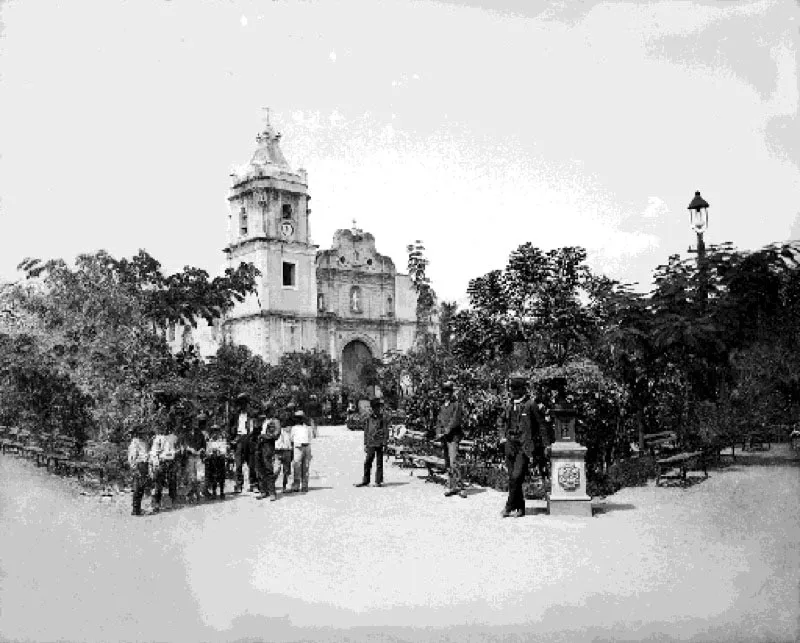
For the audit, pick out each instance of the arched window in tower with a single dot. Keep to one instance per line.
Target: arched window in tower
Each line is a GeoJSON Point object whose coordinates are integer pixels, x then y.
{"type": "Point", "coordinates": [390, 306]}
{"type": "Point", "coordinates": [243, 221]}
{"type": "Point", "coordinates": [355, 300]}
{"type": "Point", "coordinates": [286, 211]}
{"type": "Point", "coordinates": [321, 302]}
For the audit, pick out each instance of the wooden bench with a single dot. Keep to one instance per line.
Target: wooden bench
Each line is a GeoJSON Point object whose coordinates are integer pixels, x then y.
{"type": "Point", "coordinates": [405, 444]}
{"type": "Point", "coordinates": [436, 465]}
{"type": "Point", "coordinates": [65, 457]}
{"type": "Point", "coordinates": [36, 446]}
{"type": "Point", "coordinates": [8, 435]}
{"type": "Point", "coordinates": [15, 441]}
{"type": "Point", "coordinates": [675, 467]}
{"type": "Point", "coordinates": [663, 443]}
{"type": "Point", "coordinates": [758, 442]}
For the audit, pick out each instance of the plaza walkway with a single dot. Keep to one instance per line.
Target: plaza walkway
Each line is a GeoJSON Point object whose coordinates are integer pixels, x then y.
{"type": "Point", "coordinates": [718, 561]}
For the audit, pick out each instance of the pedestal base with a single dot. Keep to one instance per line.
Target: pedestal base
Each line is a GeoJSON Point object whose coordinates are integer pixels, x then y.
{"type": "Point", "coordinates": [581, 507]}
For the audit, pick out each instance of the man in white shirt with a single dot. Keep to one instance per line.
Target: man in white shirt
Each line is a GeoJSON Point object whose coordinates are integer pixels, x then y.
{"type": "Point", "coordinates": [162, 461]}
{"type": "Point", "coordinates": [301, 443]}
{"type": "Point", "coordinates": [138, 458]}
{"type": "Point", "coordinates": [283, 451]}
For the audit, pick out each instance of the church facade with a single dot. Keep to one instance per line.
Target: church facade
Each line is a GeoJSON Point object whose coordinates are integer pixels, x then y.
{"type": "Point", "coordinates": [348, 300]}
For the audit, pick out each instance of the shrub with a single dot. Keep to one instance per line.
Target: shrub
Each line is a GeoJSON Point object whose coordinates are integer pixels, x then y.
{"type": "Point", "coordinates": [634, 472]}
{"type": "Point", "coordinates": [357, 421]}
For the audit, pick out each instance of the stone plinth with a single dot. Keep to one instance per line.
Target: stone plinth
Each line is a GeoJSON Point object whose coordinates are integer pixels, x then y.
{"type": "Point", "coordinates": [568, 496]}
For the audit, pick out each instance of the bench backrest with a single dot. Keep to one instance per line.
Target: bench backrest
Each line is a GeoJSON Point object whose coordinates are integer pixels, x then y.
{"type": "Point", "coordinates": [468, 448]}
{"type": "Point", "coordinates": [65, 444]}
{"type": "Point", "coordinates": [664, 436]}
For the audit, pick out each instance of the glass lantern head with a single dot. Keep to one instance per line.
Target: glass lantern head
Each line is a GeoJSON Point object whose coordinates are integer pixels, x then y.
{"type": "Point", "coordinates": [698, 213]}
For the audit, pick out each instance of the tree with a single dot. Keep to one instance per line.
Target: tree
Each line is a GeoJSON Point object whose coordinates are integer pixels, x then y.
{"type": "Point", "coordinates": [426, 296]}
{"type": "Point", "coordinates": [103, 321]}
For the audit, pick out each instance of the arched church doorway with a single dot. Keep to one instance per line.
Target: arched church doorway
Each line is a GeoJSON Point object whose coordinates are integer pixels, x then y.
{"type": "Point", "coordinates": [357, 367]}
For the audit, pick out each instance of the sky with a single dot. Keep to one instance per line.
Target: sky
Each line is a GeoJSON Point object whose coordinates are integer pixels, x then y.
{"type": "Point", "coordinates": [472, 126]}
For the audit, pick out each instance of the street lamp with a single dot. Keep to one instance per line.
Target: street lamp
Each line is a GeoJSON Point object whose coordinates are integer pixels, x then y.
{"type": "Point", "coordinates": [698, 218]}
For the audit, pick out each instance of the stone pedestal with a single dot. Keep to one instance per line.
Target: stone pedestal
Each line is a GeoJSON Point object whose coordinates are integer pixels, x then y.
{"type": "Point", "coordinates": [567, 496]}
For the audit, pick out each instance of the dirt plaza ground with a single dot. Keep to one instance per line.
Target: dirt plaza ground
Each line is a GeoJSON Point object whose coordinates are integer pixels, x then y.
{"type": "Point", "coordinates": [718, 561]}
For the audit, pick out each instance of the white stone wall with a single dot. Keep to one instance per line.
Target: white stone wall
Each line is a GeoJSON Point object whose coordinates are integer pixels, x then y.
{"type": "Point", "coordinates": [406, 299]}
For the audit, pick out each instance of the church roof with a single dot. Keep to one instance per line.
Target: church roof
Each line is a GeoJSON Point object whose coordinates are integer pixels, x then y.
{"type": "Point", "coordinates": [269, 151]}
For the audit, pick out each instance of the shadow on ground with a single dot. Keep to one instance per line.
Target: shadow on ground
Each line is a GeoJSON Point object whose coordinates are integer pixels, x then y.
{"type": "Point", "coordinates": [475, 492]}
{"type": "Point", "coordinates": [608, 507]}
{"type": "Point", "coordinates": [535, 511]}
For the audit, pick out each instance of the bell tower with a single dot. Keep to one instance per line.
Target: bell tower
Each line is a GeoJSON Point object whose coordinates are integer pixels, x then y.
{"type": "Point", "coordinates": [268, 226]}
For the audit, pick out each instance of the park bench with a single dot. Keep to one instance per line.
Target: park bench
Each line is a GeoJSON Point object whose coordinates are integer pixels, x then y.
{"type": "Point", "coordinates": [661, 444]}
{"type": "Point", "coordinates": [14, 441]}
{"type": "Point", "coordinates": [675, 467]}
{"type": "Point", "coordinates": [6, 437]}
{"type": "Point", "coordinates": [35, 447]}
{"type": "Point", "coordinates": [758, 441]}
{"type": "Point", "coordinates": [405, 443]}
{"type": "Point", "coordinates": [66, 458]}
{"type": "Point", "coordinates": [436, 465]}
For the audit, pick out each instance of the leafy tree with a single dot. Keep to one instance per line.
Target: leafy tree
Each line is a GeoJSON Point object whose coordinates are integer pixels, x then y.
{"type": "Point", "coordinates": [103, 321]}
{"type": "Point", "coordinates": [301, 374]}
{"type": "Point", "coordinates": [426, 296]}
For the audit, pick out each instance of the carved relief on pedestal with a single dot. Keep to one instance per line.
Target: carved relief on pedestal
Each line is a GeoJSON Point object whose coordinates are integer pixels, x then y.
{"type": "Point", "coordinates": [569, 477]}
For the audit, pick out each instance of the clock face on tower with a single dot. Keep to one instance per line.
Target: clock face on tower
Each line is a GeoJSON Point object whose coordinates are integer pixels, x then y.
{"type": "Point", "coordinates": [287, 229]}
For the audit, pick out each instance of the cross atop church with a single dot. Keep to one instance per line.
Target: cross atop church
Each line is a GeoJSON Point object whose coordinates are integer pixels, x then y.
{"type": "Point", "coordinates": [355, 227]}
{"type": "Point", "coordinates": [266, 116]}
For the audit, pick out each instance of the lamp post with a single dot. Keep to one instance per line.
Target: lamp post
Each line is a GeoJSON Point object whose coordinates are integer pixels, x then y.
{"type": "Point", "coordinates": [698, 219]}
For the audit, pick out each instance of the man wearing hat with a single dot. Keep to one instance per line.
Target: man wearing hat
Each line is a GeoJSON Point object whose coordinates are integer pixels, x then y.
{"type": "Point", "coordinates": [450, 433]}
{"type": "Point", "coordinates": [216, 452]}
{"type": "Point", "coordinates": [194, 445]}
{"type": "Point", "coordinates": [163, 454]}
{"type": "Point", "coordinates": [301, 444]}
{"type": "Point", "coordinates": [245, 444]}
{"type": "Point", "coordinates": [270, 429]}
{"type": "Point", "coordinates": [521, 431]}
{"type": "Point", "coordinates": [283, 447]}
{"type": "Point", "coordinates": [376, 436]}
{"type": "Point", "coordinates": [138, 459]}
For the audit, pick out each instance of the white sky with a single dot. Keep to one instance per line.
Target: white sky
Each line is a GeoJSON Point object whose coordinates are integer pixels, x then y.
{"type": "Point", "coordinates": [473, 126]}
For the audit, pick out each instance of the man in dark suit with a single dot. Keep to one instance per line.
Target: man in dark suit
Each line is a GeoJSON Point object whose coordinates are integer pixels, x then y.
{"type": "Point", "coordinates": [450, 432]}
{"type": "Point", "coordinates": [241, 425]}
{"type": "Point", "coordinates": [376, 436]}
{"type": "Point", "coordinates": [522, 433]}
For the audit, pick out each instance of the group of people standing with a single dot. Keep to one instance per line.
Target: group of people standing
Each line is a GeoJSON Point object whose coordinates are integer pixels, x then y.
{"type": "Point", "coordinates": [269, 442]}
{"type": "Point", "coordinates": [522, 434]}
